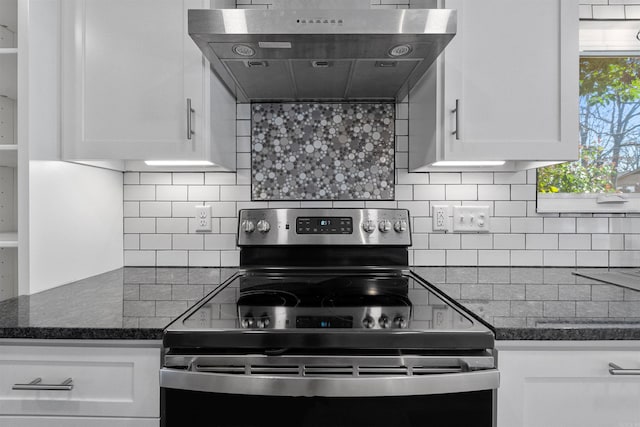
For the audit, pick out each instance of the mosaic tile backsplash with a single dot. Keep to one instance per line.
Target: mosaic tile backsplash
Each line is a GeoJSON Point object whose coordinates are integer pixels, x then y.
{"type": "Point", "coordinates": [322, 151]}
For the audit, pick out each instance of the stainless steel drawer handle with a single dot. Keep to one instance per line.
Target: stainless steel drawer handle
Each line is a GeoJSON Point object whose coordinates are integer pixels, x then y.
{"type": "Point", "coordinates": [66, 385]}
{"type": "Point", "coordinates": [456, 111]}
{"type": "Point", "coordinates": [618, 370]}
{"type": "Point", "coordinates": [190, 112]}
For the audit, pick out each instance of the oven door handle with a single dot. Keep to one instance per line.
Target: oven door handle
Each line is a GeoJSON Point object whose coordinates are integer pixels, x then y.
{"type": "Point", "coordinates": [300, 386]}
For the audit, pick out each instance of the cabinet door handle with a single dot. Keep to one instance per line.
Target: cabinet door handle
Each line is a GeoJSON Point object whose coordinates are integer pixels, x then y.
{"type": "Point", "coordinates": [66, 385]}
{"type": "Point", "coordinates": [190, 112]}
{"type": "Point", "coordinates": [456, 111]}
{"type": "Point", "coordinates": [618, 370]}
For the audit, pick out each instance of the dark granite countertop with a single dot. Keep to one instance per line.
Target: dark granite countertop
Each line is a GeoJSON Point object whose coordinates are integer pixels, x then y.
{"type": "Point", "coordinates": [521, 303]}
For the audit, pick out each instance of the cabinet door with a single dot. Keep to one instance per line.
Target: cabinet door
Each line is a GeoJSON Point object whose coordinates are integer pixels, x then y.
{"type": "Point", "coordinates": [129, 67]}
{"type": "Point", "coordinates": [567, 388]}
{"type": "Point", "coordinates": [513, 70]}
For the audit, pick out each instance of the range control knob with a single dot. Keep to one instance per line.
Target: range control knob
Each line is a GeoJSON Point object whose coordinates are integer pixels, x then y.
{"type": "Point", "coordinates": [400, 322]}
{"type": "Point", "coordinates": [400, 226]}
{"type": "Point", "coordinates": [368, 322]}
{"type": "Point", "coordinates": [384, 322]}
{"type": "Point", "coordinates": [248, 226]}
{"type": "Point", "coordinates": [369, 226]}
{"type": "Point", "coordinates": [248, 322]}
{"type": "Point", "coordinates": [384, 225]}
{"type": "Point", "coordinates": [263, 226]}
{"type": "Point", "coordinates": [262, 322]}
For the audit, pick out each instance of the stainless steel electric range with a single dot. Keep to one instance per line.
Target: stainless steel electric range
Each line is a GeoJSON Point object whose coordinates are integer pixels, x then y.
{"type": "Point", "coordinates": [326, 325]}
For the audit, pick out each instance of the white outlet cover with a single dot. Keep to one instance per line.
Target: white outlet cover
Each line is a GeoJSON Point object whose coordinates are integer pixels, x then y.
{"type": "Point", "coordinates": [441, 214]}
{"type": "Point", "coordinates": [471, 219]}
{"type": "Point", "coordinates": [203, 218]}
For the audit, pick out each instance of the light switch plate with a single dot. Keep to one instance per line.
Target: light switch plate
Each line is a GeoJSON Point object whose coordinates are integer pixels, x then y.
{"type": "Point", "coordinates": [471, 219]}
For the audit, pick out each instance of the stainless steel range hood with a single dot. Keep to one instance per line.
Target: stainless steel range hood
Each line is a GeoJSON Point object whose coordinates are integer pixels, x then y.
{"type": "Point", "coordinates": [323, 55]}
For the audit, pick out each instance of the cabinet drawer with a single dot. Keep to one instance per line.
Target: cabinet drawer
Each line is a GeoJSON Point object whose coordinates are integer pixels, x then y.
{"type": "Point", "coordinates": [106, 381]}
{"type": "Point", "coordinates": [77, 422]}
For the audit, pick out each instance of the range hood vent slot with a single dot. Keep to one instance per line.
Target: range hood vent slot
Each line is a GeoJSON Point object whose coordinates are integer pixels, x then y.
{"type": "Point", "coordinates": [284, 55]}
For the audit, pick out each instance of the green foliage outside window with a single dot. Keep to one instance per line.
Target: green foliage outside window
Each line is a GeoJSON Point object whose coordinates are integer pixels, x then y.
{"type": "Point", "coordinates": [609, 131]}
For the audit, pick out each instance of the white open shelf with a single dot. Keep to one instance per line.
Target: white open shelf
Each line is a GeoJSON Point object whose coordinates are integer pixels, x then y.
{"type": "Point", "coordinates": [8, 74]}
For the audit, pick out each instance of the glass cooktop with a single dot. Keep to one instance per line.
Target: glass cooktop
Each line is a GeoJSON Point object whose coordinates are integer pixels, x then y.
{"type": "Point", "coordinates": [279, 309]}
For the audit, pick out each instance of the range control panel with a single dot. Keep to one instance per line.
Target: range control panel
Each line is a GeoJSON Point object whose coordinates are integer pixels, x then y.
{"type": "Point", "coordinates": [264, 227]}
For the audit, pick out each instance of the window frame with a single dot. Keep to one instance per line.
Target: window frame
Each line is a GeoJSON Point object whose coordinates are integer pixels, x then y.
{"type": "Point", "coordinates": [596, 42]}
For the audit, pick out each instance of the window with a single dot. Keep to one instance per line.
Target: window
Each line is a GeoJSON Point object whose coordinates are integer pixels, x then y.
{"type": "Point", "coordinates": [606, 177]}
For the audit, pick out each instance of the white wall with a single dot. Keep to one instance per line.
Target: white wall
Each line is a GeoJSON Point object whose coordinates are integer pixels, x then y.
{"type": "Point", "coordinates": [75, 222]}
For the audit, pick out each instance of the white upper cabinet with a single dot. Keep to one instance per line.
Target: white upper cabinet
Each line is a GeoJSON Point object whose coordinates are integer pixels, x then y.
{"type": "Point", "coordinates": [136, 87]}
{"type": "Point", "coordinates": [504, 89]}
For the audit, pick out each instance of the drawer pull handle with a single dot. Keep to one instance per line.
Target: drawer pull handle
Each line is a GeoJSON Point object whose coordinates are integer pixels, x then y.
{"type": "Point", "coordinates": [66, 385]}
{"type": "Point", "coordinates": [618, 370]}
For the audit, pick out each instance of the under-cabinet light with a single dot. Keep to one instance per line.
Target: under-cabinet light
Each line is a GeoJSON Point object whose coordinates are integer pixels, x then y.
{"type": "Point", "coordinates": [178, 163]}
{"type": "Point", "coordinates": [470, 163]}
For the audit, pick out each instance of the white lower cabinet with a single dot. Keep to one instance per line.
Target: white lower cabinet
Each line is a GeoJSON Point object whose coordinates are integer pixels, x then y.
{"type": "Point", "coordinates": [100, 384]}
{"type": "Point", "coordinates": [568, 384]}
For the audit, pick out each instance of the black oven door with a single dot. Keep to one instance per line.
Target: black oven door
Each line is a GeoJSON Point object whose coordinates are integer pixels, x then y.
{"type": "Point", "coordinates": [234, 399]}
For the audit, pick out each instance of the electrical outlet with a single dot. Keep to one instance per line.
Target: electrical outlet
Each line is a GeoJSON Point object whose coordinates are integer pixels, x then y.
{"type": "Point", "coordinates": [440, 218]}
{"type": "Point", "coordinates": [471, 219]}
{"type": "Point", "coordinates": [203, 218]}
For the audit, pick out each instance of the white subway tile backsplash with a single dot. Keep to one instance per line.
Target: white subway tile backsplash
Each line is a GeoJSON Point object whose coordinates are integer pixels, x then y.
{"type": "Point", "coordinates": [511, 209]}
{"type": "Point", "coordinates": [559, 258]}
{"type": "Point", "coordinates": [229, 258]}
{"type": "Point", "coordinates": [155, 178]}
{"type": "Point", "coordinates": [219, 178]}
{"type": "Point", "coordinates": [429, 192]}
{"type": "Point", "coordinates": [404, 192]}
{"type": "Point", "coordinates": [592, 258]}
{"type": "Point", "coordinates": [204, 193]}
{"type": "Point", "coordinates": [131, 178]}
{"type": "Point", "coordinates": [188, 178]}
{"type": "Point", "coordinates": [632, 241]}
{"type": "Point", "coordinates": [430, 257]}
{"type": "Point", "coordinates": [131, 209]}
{"type": "Point", "coordinates": [526, 258]}
{"type": "Point", "coordinates": [243, 128]}
{"type": "Point", "coordinates": [462, 257]}
{"type": "Point", "coordinates": [172, 258]}
{"type": "Point", "coordinates": [185, 209]}
{"type": "Point", "coordinates": [193, 225]}
{"type": "Point", "coordinates": [243, 111]}
{"type": "Point", "coordinates": [139, 192]}
{"type": "Point", "coordinates": [235, 192]}
{"type": "Point", "coordinates": [510, 177]}
{"type": "Point", "coordinates": [624, 225]}
{"type": "Point", "coordinates": [140, 258]}
{"type": "Point", "coordinates": [188, 241]}
{"type": "Point", "coordinates": [444, 241]}
{"type": "Point", "coordinates": [220, 241]}
{"type": "Point", "coordinates": [477, 241]}
{"type": "Point", "coordinates": [500, 225]}
{"type": "Point", "coordinates": [445, 178]}
{"type": "Point", "coordinates": [608, 12]}
{"type": "Point", "coordinates": [155, 241]}
{"type": "Point", "coordinates": [493, 192]}
{"type": "Point", "coordinates": [139, 225]}
{"type": "Point", "coordinates": [526, 225]}
{"type": "Point", "coordinates": [155, 209]}
{"type": "Point", "coordinates": [477, 178]}
{"type": "Point", "coordinates": [131, 241]}
{"type": "Point", "coordinates": [461, 192]}
{"type": "Point", "coordinates": [559, 225]}
{"type": "Point", "coordinates": [541, 241]}
{"type": "Point", "coordinates": [402, 143]}
{"type": "Point", "coordinates": [204, 258]}
{"type": "Point", "coordinates": [243, 161]}
{"type": "Point", "coordinates": [523, 192]}
{"type": "Point", "coordinates": [624, 258]}
{"type": "Point", "coordinates": [244, 144]}
{"type": "Point", "coordinates": [419, 241]}
{"type": "Point", "coordinates": [607, 241]}
{"type": "Point", "coordinates": [402, 160]}
{"type": "Point", "coordinates": [508, 241]}
{"type": "Point", "coordinates": [592, 225]}
{"type": "Point", "coordinates": [574, 241]}
{"type": "Point", "coordinates": [171, 192]}
{"type": "Point", "coordinates": [172, 225]}
{"type": "Point", "coordinates": [493, 258]}
{"type": "Point", "coordinates": [228, 225]}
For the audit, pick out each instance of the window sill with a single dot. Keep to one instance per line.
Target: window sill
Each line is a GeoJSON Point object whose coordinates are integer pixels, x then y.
{"type": "Point", "coordinates": [585, 203]}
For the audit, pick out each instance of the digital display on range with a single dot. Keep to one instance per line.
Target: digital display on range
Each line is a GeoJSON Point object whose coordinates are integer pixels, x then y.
{"type": "Point", "coordinates": [324, 322]}
{"type": "Point", "coordinates": [324, 225]}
